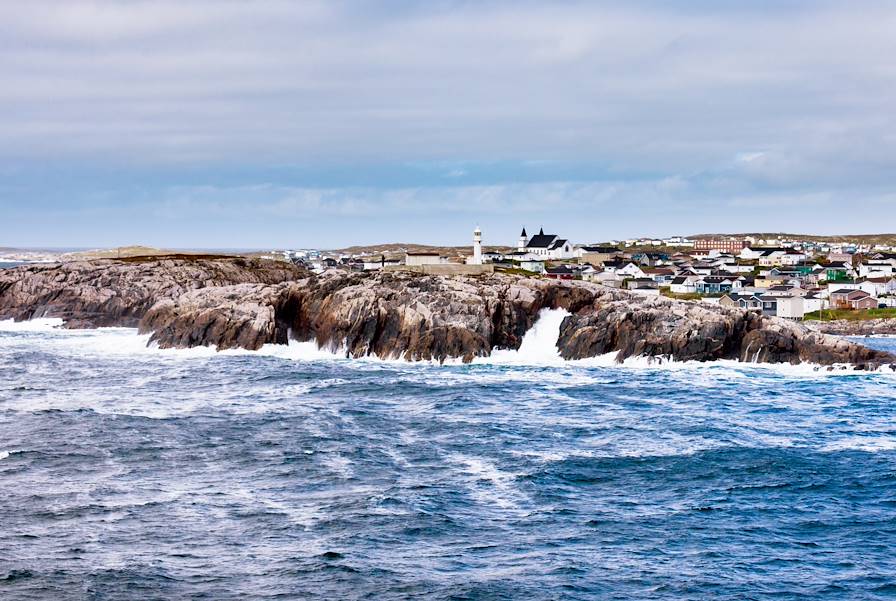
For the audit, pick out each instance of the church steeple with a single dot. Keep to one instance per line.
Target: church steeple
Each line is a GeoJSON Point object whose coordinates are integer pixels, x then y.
{"type": "Point", "coordinates": [523, 241]}
{"type": "Point", "coordinates": [541, 232]}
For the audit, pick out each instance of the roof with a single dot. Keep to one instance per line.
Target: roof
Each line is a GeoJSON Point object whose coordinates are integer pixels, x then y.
{"type": "Point", "coordinates": [852, 294]}
{"type": "Point", "coordinates": [557, 244]}
{"type": "Point", "coordinates": [541, 241]}
{"type": "Point", "coordinates": [558, 270]}
{"type": "Point", "coordinates": [523, 234]}
{"type": "Point", "coordinates": [680, 280]}
{"type": "Point", "coordinates": [606, 250]}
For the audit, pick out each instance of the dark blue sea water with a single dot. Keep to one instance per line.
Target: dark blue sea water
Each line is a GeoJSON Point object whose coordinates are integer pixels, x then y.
{"type": "Point", "coordinates": [132, 473]}
{"type": "Point", "coordinates": [9, 264]}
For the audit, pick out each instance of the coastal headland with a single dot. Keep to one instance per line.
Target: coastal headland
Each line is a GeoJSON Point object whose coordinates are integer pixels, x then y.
{"type": "Point", "coordinates": [234, 302]}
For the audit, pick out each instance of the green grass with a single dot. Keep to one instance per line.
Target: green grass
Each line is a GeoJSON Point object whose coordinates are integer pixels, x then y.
{"type": "Point", "coordinates": [516, 271]}
{"type": "Point", "coordinates": [668, 293]}
{"type": "Point", "coordinates": [850, 315]}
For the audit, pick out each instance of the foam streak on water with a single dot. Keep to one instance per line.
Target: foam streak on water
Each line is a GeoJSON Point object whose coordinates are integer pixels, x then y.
{"type": "Point", "coordinates": [128, 472]}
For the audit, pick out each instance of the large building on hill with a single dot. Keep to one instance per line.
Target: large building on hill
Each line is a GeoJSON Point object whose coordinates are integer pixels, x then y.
{"type": "Point", "coordinates": [725, 245]}
{"type": "Point", "coordinates": [547, 246]}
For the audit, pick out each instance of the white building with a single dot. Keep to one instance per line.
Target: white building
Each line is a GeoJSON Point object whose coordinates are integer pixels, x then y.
{"type": "Point", "coordinates": [547, 246]}
{"type": "Point", "coordinates": [791, 307]}
{"type": "Point", "coordinates": [422, 258]}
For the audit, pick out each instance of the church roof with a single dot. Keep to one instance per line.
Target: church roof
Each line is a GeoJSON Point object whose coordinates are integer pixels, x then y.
{"type": "Point", "coordinates": [557, 244]}
{"type": "Point", "coordinates": [542, 240]}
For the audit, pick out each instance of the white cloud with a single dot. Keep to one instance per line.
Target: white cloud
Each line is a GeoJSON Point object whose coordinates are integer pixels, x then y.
{"type": "Point", "coordinates": [631, 85]}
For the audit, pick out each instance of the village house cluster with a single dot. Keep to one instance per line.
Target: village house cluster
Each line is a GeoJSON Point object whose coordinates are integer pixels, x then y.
{"type": "Point", "coordinates": [784, 278]}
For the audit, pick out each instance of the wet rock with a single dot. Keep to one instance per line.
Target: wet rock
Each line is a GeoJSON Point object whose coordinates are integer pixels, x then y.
{"type": "Point", "coordinates": [118, 292]}
{"type": "Point", "coordinates": [414, 316]}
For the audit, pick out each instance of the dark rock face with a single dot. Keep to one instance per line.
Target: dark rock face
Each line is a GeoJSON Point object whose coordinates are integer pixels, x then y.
{"type": "Point", "coordinates": [118, 292]}
{"type": "Point", "coordinates": [420, 317]}
{"type": "Point", "coordinates": [398, 314]}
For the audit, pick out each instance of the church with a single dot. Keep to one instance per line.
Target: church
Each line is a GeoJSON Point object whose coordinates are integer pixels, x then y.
{"type": "Point", "coordinates": [545, 246]}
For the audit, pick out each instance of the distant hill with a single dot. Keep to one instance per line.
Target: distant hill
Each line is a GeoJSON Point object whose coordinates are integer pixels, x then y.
{"type": "Point", "coordinates": [888, 239]}
{"type": "Point", "coordinates": [400, 248]}
{"type": "Point", "coordinates": [128, 251]}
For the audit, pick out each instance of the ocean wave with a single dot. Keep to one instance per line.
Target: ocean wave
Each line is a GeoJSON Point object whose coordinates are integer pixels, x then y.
{"type": "Point", "coordinates": [538, 350]}
{"type": "Point", "coordinates": [34, 325]}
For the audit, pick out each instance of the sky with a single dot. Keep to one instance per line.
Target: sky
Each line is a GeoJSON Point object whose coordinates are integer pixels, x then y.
{"type": "Point", "coordinates": [231, 124]}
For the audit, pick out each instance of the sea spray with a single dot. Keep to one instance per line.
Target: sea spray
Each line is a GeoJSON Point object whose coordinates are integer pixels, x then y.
{"type": "Point", "coordinates": [539, 345]}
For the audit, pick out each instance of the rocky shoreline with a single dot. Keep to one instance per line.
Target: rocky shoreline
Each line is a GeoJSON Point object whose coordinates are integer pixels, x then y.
{"type": "Point", "coordinates": [844, 327]}
{"type": "Point", "coordinates": [240, 303]}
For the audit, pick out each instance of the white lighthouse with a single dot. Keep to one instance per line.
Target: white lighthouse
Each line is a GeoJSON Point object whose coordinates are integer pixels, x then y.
{"type": "Point", "coordinates": [477, 247]}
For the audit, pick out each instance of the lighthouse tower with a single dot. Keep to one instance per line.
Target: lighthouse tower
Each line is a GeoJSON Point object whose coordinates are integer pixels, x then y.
{"type": "Point", "coordinates": [477, 246]}
{"type": "Point", "coordinates": [524, 240]}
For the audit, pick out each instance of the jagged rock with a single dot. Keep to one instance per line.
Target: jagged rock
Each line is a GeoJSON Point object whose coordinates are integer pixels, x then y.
{"type": "Point", "coordinates": [844, 327]}
{"type": "Point", "coordinates": [118, 292]}
{"type": "Point", "coordinates": [398, 314]}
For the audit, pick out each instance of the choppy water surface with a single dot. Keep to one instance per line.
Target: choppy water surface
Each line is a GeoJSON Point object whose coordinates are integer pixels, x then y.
{"type": "Point", "coordinates": [131, 473]}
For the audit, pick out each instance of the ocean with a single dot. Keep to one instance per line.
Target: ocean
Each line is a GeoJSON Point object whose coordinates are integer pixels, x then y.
{"type": "Point", "coordinates": [129, 472]}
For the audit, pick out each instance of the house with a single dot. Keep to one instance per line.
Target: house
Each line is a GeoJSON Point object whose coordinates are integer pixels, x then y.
{"type": "Point", "coordinates": [613, 265]}
{"type": "Point", "coordinates": [838, 271]}
{"type": "Point", "coordinates": [772, 257]}
{"type": "Point", "coordinates": [716, 284]}
{"type": "Point", "coordinates": [650, 259]}
{"type": "Point", "coordinates": [852, 299]}
{"type": "Point", "coordinates": [605, 278]}
{"type": "Point", "coordinates": [839, 257]}
{"type": "Point", "coordinates": [422, 258]}
{"type": "Point", "coordinates": [645, 291]}
{"type": "Point", "coordinates": [661, 275]}
{"type": "Point", "coordinates": [563, 272]}
{"type": "Point", "coordinates": [533, 266]}
{"type": "Point", "coordinates": [812, 303]}
{"type": "Point", "coordinates": [597, 255]}
{"type": "Point", "coordinates": [791, 307]}
{"type": "Point", "coordinates": [883, 286]}
{"type": "Point", "coordinates": [784, 291]}
{"type": "Point", "coordinates": [630, 270]}
{"type": "Point", "coordinates": [684, 284]}
{"type": "Point", "coordinates": [792, 257]}
{"type": "Point", "coordinates": [549, 246]}
{"type": "Point", "coordinates": [769, 305]}
{"type": "Point", "coordinates": [374, 264]}
{"type": "Point", "coordinates": [642, 283]}
{"type": "Point", "coordinates": [751, 302]}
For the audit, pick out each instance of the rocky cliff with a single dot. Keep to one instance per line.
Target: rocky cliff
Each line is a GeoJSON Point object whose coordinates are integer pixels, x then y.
{"type": "Point", "coordinates": [228, 304]}
{"type": "Point", "coordinates": [118, 292]}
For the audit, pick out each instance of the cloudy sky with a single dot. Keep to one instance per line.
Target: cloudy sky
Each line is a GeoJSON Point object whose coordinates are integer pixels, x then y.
{"type": "Point", "coordinates": [223, 124]}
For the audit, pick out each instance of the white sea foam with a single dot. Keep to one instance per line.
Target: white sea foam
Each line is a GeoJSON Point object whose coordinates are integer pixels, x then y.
{"type": "Point", "coordinates": [862, 443]}
{"type": "Point", "coordinates": [4, 455]}
{"type": "Point", "coordinates": [539, 345]}
{"type": "Point", "coordinates": [500, 490]}
{"type": "Point", "coordinates": [538, 349]}
{"type": "Point", "coordinates": [34, 325]}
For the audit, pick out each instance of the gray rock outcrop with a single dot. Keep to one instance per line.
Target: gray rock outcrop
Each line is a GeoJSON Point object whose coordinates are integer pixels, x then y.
{"type": "Point", "coordinates": [235, 303]}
